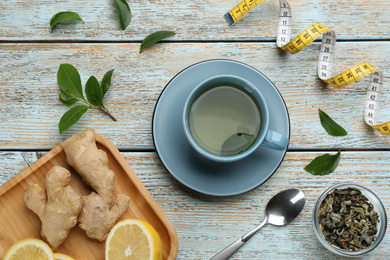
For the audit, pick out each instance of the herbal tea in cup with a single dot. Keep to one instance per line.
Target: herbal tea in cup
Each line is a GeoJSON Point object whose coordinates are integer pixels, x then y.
{"type": "Point", "coordinates": [226, 118]}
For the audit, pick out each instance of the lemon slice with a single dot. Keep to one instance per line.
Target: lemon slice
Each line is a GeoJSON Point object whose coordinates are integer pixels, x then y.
{"type": "Point", "coordinates": [29, 249]}
{"type": "Point", "coordinates": [59, 256]}
{"type": "Point", "coordinates": [133, 239]}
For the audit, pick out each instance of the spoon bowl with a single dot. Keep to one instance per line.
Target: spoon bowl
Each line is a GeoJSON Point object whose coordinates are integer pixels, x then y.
{"type": "Point", "coordinates": [281, 209]}
{"type": "Point", "coordinates": [285, 206]}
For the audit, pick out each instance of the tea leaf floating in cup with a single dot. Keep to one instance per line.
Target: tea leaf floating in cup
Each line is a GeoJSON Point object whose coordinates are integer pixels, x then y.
{"type": "Point", "coordinates": [237, 143]}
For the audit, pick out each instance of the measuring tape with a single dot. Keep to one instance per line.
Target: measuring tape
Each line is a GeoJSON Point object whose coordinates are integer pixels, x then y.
{"type": "Point", "coordinates": [325, 61]}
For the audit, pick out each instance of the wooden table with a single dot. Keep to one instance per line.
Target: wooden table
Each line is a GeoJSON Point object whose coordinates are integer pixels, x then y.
{"type": "Point", "coordinates": [30, 110]}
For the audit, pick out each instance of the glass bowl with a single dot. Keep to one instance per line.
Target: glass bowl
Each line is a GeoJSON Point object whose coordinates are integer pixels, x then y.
{"type": "Point", "coordinates": [378, 207]}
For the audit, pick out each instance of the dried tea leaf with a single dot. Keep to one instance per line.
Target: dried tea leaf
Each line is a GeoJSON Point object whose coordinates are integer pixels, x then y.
{"type": "Point", "coordinates": [347, 219]}
{"type": "Point", "coordinates": [324, 164]}
{"type": "Point", "coordinates": [330, 125]}
{"type": "Point", "coordinates": [124, 13]}
{"type": "Point", "coordinates": [64, 16]}
{"type": "Point", "coordinates": [71, 117]}
{"type": "Point", "coordinates": [154, 38]}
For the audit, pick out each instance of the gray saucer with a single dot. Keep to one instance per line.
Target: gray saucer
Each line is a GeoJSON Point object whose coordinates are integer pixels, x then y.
{"type": "Point", "coordinates": [185, 164]}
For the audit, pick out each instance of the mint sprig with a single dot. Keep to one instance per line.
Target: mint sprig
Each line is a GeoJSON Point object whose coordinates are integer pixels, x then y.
{"type": "Point", "coordinates": [69, 80]}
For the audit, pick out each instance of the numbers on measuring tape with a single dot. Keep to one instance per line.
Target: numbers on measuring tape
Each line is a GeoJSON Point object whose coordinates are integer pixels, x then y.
{"type": "Point", "coordinates": [325, 59]}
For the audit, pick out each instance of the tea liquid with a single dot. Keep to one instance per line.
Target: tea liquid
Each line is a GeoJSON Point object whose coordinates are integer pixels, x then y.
{"type": "Point", "coordinates": [220, 113]}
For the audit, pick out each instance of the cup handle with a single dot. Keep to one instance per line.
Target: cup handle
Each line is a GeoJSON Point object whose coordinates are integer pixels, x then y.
{"type": "Point", "coordinates": [275, 141]}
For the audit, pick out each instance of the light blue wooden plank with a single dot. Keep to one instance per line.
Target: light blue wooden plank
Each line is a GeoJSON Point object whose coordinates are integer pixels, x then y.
{"type": "Point", "coordinates": [192, 20]}
{"type": "Point", "coordinates": [30, 109]}
{"type": "Point", "coordinates": [205, 224]}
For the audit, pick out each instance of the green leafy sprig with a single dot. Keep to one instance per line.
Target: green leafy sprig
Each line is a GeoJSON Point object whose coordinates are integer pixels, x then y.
{"type": "Point", "coordinates": [71, 92]}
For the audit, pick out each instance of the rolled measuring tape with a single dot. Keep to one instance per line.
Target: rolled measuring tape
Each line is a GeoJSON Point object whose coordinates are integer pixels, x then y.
{"type": "Point", "coordinates": [325, 60]}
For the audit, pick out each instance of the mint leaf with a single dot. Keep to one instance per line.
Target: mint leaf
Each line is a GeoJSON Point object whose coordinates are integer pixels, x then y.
{"type": "Point", "coordinates": [71, 117]}
{"type": "Point", "coordinates": [106, 82]}
{"type": "Point", "coordinates": [154, 38]}
{"type": "Point", "coordinates": [324, 164]}
{"type": "Point", "coordinates": [64, 16]}
{"type": "Point", "coordinates": [330, 125]}
{"type": "Point", "coordinates": [94, 92]}
{"type": "Point", "coordinates": [66, 99]}
{"type": "Point", "coordinates": [124, 13]}
{"type": "Point", "coordinates": [68, 79]}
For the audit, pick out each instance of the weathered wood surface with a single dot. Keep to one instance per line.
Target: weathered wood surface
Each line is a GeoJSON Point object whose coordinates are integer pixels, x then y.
{"type": "Point", "coordinates": [30, 54]}
{"type": "Point", "coordinates": [28, 20]}
{"type": "Point", "coordinates": [205, 224]}
{"type": "Point", "coordinates": [30, 108]}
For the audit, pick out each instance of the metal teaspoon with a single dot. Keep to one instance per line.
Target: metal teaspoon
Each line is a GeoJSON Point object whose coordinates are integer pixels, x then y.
{"type": "Point", "coordinates": [280, 210]}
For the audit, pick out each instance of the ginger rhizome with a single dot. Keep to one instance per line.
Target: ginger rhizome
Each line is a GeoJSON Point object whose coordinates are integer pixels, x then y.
{"type": "Point", "coordinates": [57, 207]}
{"type": "Point", "coordinates": [100, 210]}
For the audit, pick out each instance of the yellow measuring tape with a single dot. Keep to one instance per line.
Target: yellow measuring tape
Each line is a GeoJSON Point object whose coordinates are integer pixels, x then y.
{"type": "Point", "coordinates": [325, 61]}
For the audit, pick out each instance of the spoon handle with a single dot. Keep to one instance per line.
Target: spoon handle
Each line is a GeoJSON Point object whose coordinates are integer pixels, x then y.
{"type": "Point", "coordinates": [230, 250]}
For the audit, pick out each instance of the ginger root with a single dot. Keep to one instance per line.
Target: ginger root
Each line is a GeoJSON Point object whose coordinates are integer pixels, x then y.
{"type": "Point", "coordinates": [58, 207]}
{"type": "Point", "coordinates": [100, 209]}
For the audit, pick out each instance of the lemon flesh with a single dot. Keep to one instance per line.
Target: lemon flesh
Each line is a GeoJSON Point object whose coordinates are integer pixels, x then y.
{"type": "Point", "coordinates": [133, 239]}
{"type": "Point", "coordinates": [29, 249]}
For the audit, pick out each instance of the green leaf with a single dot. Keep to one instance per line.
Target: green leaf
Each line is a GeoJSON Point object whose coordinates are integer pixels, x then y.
{"type": "Point", "coordinates": [71, 117]}
{"type": "Point", "coordinates": [330, 125]}
{"type": "Point", "coordinates": [124, 13]}
{"type": "Point", "coordinates": [68, 79]}
{"type": "Point", "coordinates": [106, 82]}
{"type": "Point", "coordinates": [66, 99]}
{"type": "Point", "coordinates": [94, 91]}
{"type": "Point", "coordinates": [324, 164]}
{"type": "Point", "coordinates": [64, 16]}
{"type": "Point", "coordinates": [237, 143]}
{"type": "Point", "coordinates": [155, 37]}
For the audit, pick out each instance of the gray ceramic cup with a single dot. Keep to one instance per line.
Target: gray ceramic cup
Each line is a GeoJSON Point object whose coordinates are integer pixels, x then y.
{"type": "Point", "coordinates": [266, 137]}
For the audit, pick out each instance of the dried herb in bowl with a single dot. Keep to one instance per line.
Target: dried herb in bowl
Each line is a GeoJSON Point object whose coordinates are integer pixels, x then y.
{"type": "Point", "coordinates": [348, 220]}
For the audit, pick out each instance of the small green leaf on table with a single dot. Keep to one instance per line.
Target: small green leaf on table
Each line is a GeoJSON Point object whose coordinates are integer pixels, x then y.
{"type": "Point", "coordinates": [94, 91]}
{"type": "Point", "coordinates": [64, 16]}
{"type": "Point", "coordinates": [324, 164]}
{"type": "Point", "coordinates": [124, 13]}
{"type": "Point", "coordinates": [71, 117]}
{"type": "Point", "coordinates": [330, 125]}
{"type": "Point", "coordinates": [154, 38]}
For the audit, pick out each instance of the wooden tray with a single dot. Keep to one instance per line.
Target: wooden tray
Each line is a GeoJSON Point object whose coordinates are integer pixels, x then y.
{"type": "Point", "coordinates": [18, 222]}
